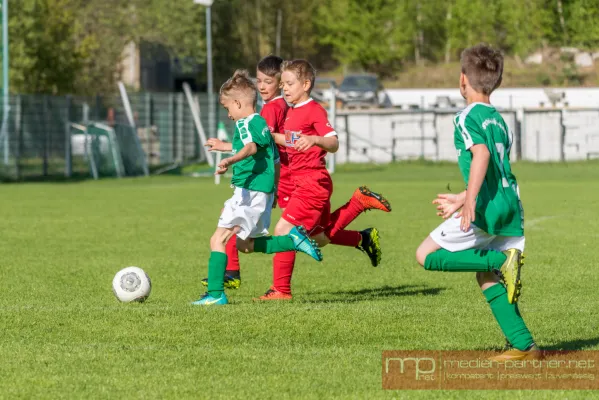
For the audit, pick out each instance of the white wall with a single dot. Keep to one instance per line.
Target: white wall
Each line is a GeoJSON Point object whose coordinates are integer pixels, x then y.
{"type": "Point", "coordinates": [503, 98]}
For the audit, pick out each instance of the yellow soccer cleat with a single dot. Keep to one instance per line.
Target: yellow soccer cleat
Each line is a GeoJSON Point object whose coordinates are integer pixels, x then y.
{"type": "Point", "coordinates": [532, 353]}
{"type": "Point", "coordinates": [510, 274]}
{"type": "Point", "coordinates": [371, 246]}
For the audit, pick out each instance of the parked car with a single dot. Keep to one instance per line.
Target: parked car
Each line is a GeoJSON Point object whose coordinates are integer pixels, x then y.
{"type": "Point", "coordinates": [360, 91]}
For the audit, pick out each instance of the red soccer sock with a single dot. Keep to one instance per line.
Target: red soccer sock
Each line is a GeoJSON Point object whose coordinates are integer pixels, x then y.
{"type": "Point", "coordinates": [346, 238]}
{"type": "Point", "coordinates": [232, 254]}
{"type": "Point", "coordinates": [344, 216]}
{"type": "Point", "coordinates": [283, 264]}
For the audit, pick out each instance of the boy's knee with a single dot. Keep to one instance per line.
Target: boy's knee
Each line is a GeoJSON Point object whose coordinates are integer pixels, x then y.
{"type": "Point", "coordinates": [421, 256]}
{"type": "Point", "coordinates": [217, 240]}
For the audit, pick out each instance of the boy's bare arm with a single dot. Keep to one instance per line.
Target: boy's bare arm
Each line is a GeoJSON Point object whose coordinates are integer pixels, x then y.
{"type": "Point", "coordinates": [218, 145]}
{"type": "Point", "coordinates": [329, 144]}
{"type": "Point", "coordinates": [248, 150]}
{"type": "Point", "coordinates": [279, 138]}
{"type": "Point", "coordinates": [478, 170]}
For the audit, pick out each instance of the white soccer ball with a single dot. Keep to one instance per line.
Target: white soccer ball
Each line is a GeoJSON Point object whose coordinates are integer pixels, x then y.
{"type": "Point", "coordinates": [131, 284]}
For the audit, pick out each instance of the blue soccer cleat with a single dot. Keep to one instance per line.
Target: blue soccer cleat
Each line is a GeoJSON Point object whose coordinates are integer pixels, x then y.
{"type": "Point", "coordinates": [303, 243]}
{"type": "Point", "coordinates": [207, 300]}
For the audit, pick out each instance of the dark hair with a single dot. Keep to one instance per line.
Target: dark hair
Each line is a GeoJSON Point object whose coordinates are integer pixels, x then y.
{"type": "Point", "coordinates": [483, 66]}
{"type": "Point", "coordinates": [271, 66]}
{"type": "Point", "coordinates": [239, 85]}
{"type": "Point", "coordinates": [302, 69]}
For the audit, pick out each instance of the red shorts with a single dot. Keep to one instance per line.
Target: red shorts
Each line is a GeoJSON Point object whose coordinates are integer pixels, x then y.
{"type": "Point", "coordinates": [310, 201]}
{"type": "Point", "coordinates": [285, 187]}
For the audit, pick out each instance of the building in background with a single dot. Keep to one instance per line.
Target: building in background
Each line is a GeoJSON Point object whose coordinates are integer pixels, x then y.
{"type": "Point", "coordinates": [150, 67]}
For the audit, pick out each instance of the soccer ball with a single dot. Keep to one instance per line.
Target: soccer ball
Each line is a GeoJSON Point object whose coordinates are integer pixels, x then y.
{"type": "Point", "coordinates": [131, 284]}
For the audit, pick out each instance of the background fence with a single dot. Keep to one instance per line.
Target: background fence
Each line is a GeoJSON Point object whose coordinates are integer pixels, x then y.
{"type": "Point", "coordinates": [39, 129]}
{"type": "Point", "coordinates": [41, 145]}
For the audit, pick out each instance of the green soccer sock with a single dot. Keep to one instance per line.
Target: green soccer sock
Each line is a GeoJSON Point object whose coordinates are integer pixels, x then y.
{"type": "Point", "coordinates": [471, 260]}
{"type": "Point", "coordinates": [509, 318]}
{"type": "Point", "coordinates": [273, 244]}
{"type": "Point", "coordinates": [216, 273]}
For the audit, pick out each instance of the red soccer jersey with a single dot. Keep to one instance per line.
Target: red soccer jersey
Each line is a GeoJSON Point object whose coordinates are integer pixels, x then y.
{"type": "Point", "coordinates": [307, 118]}
{"type": "Point", "coordinates": [274, 113]}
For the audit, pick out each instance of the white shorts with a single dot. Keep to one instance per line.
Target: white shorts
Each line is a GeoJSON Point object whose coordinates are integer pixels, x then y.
{"type": "Point", "coordinates": [449, 236]}
{"type": "Point", "coordinates": [248, 209]}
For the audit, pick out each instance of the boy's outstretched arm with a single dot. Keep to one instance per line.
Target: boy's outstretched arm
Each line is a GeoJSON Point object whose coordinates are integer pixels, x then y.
{"type": "Point", "coordinates": [478, 170]}
{"type": "Point", "coordinates": [329, 144]}
{"type": "Point", "coordinates": [248, 150]}
{"type": "Point", "coordinates": [278, 138]}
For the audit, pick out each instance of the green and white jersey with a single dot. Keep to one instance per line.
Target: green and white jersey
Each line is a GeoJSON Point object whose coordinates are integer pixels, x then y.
{"type": "Point", "coordinates": [258, 171]}
{"type": "Point", "coordinates": [498, 207]}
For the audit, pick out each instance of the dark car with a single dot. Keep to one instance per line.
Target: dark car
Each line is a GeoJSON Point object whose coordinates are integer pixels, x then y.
{"type": "Point", "coordinates": [359, 91]}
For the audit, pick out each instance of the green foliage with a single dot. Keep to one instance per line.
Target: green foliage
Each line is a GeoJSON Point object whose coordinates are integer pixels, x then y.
{"type": "Point", "coordinates": [365, 34]}
{"type": "Point", "coordinates": [44, 55]}
{"type": "Point", "coordinates": [584, 28]}
{"type": "Point", "coordinates": [75, 46]}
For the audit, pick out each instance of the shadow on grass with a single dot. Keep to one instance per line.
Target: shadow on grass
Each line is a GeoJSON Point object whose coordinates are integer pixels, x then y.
{"type": "Point", "coordinates": [354, 296]}
{"type": "Point", "coordinates": [577, 344]}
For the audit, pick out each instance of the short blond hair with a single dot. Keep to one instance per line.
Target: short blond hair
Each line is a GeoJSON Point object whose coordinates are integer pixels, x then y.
{"type": "Point", "coordinates": [239, 86]}
{"type": "Point", "coordinates": [302, 69]}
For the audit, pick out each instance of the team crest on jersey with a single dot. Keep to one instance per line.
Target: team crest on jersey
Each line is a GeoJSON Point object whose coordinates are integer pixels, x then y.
{"type": "Point", "coordinates": [266, 131]}
{"type": "Point", "coordinates": [291, 137]}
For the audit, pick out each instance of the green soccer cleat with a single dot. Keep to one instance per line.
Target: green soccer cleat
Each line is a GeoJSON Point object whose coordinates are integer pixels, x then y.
{"type": "Point", "coordinates": [510, 274]}
{"type": "Point", "coordinates": [371, 246]}
{"type": "Point", "coordinates": [207, 300]}
{"type": "Point", "coordinates": [303, 243]}
{"type": "Point", "coordinates": [230, 282]}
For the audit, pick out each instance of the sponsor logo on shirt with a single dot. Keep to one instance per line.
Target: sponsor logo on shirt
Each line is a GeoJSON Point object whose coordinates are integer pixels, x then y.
{"type": "Point", "coordinates": [291, 137]}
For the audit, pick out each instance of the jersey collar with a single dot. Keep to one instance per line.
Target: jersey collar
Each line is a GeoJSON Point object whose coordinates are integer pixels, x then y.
{"type": "Point", "coordinates": [482, 104]}
{"type": "Point", "coordinates": [273, 99]}
{"type": "Point", "coordinates": [303, 103]}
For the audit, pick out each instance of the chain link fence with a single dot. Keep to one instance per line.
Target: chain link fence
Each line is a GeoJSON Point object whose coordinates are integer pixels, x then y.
{"type": "Point", "coordinates": [44, 142]}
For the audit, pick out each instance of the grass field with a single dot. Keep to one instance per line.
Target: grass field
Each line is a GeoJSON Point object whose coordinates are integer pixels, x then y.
{"type": "Point", "coordinates": [63, 334]}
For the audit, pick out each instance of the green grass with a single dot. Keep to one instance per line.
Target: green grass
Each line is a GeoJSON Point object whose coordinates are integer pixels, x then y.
{"type": "Point", "coordinates": [63, 334]}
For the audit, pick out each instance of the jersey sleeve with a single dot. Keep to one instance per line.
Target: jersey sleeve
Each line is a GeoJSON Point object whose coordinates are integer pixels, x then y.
{"type": "Point", "coordinates": [259, 132]}
{"type": "Point", "coordinates": [245, 134]}
{"type": "Point", "coordinates": [321, 123]}
{"type": "Point", "coordinates": [270, 116]}
{"type": "Point", "coordinates": [472, 132]}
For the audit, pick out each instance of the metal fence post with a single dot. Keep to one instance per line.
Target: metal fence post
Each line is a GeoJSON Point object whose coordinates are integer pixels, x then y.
{"type": "Point", "coordinates": [179, 129]}
{"type": "Point", "coordinates": [18, 133]}
{"type": "Point", "coordinates": [562, 137]}
{"type": "Point", "coordinates": [68, 164]}
{"type": "Point", "coordinates": [347, 138]}
{"type": "Point", "coordinates": [171, 120]}
{"type": "Point", "coordinates": [46, 135]}
{"type": "Point", "coordinates": [148, 124]}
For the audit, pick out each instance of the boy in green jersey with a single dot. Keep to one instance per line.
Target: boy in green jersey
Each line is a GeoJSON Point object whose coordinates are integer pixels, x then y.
{"type": "Point", "coordinates": [247, 213]}
{"type": "Point", "coordinates": [484, 227]}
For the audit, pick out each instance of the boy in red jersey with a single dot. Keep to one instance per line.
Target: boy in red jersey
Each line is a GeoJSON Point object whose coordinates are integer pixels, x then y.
{"type": "Point", "coordinates": [307, 138]}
